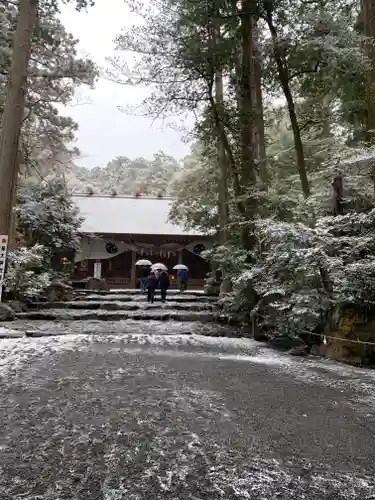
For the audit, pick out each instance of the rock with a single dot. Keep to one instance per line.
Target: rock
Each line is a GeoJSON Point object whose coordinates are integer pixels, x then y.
{"type": "Point", "coordinates": [59, 292]}
{"type": "Point", "coordinates": [285, 342]}
{"type": "Point", "coordinates": [316, 350]}
{"type": "Point", "coordinates": [260, 336]}
{"type": "Point", "coordinates": [97, 284]}
{"type": "Point", "coordinates": [17, 306]}
{"type": "Point", "coordinates": [6, 313]}
{"type": "Point", "coordinates": [301, 350]}
{"type": "Point", "coordinates": [352, 336]}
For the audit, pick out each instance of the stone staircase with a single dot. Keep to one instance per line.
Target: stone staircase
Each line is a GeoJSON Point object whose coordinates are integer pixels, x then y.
{"type": "Point", "coordinates": [121, 310]}
{"type": "Point", "coordinates": [127, 304]}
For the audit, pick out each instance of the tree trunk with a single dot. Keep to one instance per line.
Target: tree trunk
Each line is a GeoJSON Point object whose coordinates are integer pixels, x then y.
{"type": "Point", "coordinates": [284, 82]}
{"type": "Point", "coordinates": [14, 107]}
{"type": "Point", "coordinates": [222, 163]}
{"type": "Point", "coordinates": [225, 286]}
{"type": "Point", "coordinates": [258, 95]}
{"type": "Point", "coordinates": [368, 13]}
{"type": "Point", "coordinates": [13, 219]}
{"type": "Point", "coordinates": [246, 112]}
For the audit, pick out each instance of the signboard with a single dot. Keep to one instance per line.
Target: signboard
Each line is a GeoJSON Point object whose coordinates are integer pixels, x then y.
{"type": "Point", "coordinates": [97, 270]}
{"type": "Point", "coordinates": [3, 255]}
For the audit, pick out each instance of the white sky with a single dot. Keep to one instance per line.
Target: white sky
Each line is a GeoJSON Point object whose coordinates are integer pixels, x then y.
{"type": "Point", "coordinates": [104, 131]}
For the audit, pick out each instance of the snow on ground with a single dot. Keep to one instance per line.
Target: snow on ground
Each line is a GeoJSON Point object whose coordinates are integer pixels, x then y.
{"type": "Point", "coordinates": [111, 416]}
{"type": "Point", "coordinates": [312, 370]}
{"type": "Point", "coordinates": [7, 332]}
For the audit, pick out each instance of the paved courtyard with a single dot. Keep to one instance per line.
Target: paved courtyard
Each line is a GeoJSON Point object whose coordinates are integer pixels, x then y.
{"type": "Point", "coordinates": [160, 414]}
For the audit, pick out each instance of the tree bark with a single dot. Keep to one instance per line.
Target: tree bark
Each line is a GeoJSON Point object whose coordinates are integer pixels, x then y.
{"type": "Point", "coordinates": [225, 286]}
{"type": "Point", "coordinates": [13, 219]}
{"type": "Point", "coordinates": [284, 82]}
{"type": "Point", "coordinates": [14, 107]}
{"type": "Point", "coordinates": [368, 15]}
{"type": "Point", "coordinates": [222, 161]}
{"type": "Point", "coordinates": [258, 95]}
{"type": "Point", "coordinates": [246, 112]}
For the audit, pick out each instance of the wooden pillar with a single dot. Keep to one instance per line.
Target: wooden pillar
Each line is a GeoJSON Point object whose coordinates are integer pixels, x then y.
{"type": "Point", "coordinates": [132, 273]}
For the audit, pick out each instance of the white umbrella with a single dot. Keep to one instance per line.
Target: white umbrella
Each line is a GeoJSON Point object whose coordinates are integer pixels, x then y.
{"type": "Point", "coordinates": [143, 262]}
{"type": "Point", "coordinates": [160, 266]}
{"type": "Point", "coordinates": [181, 266]}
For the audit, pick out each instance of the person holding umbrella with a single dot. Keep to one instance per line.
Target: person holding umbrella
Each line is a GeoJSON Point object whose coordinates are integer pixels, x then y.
{"type": "Point", "coordinates": [152, 282]}
{"type": "Point", "coordinates": [182, 275]}
{"type": "Point", "coordinates": [164, 285]}
{"type": "Point", "coordinates": [143, 279]}
{"type": "Point", "coordinates": [158, 268]}
{"type": "Point", "coordinates": [144, 273]}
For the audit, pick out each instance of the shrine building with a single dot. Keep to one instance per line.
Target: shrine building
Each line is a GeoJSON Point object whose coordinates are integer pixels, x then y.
{"type": "Point", "coordinates": [117, 231]}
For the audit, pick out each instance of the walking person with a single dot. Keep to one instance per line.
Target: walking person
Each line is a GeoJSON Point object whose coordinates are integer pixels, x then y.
{"type": "Point", "coordinates": [183, 275]}
{"type": "Point", "coordinates": [157, 273]}
{"type": "Point", "coordinates": [164, 285]}
{"type": "Point", "coordinates": [143, 279]}
{"type": "Point", "coordinates": [152, 282]}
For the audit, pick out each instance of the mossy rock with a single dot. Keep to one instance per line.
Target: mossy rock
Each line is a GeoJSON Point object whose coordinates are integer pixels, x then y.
{"type": "Point", "coordinates": [6, 313]}
{"type": "Point", "coordinates": [59, 292]}
{"type": "Point", "coordinates": [353, 325]}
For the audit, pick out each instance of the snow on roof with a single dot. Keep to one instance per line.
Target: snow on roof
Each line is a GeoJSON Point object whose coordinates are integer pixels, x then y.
{"type": "Point", "coordinates": [127, 215]}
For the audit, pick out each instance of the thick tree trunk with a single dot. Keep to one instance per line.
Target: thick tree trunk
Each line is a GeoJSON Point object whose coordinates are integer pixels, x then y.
{"type": "Point", "coordinates": [13, 219]}
{"type": "Point", "coordinates": [222, 160]}
{"type": "Point", "coordinates": [368, 13]}
{"type": "Point", "coordinates": [222, 163]}
{"type": "Point", "coordinates": [258, 96]}
{"type": "Point", "coordinates": [225, 286]}
{"type": "Point", "coordinates": [284, 82]}
{"type": "Point", "coordinates": [14, 107]}
{"type": "Point", "coordinates": [247, 112]}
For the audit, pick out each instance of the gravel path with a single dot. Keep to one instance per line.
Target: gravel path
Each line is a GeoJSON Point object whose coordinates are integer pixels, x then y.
{"type": "Point", "coordinates": [170, 416]}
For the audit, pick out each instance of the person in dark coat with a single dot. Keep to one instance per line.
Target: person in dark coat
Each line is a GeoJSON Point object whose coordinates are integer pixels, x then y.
{"type": "Point", "coordinates": [152, 282]}
{"type": "Point", "coordinates": [183, 275]}
{"type": "Point", "coordinates": [143, 278]}
{"type": "Point", "coordinates": [164, 285]}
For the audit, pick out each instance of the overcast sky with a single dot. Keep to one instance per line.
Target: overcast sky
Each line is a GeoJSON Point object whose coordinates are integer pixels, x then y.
{"type": "Point", "coordinates": [104, 131]}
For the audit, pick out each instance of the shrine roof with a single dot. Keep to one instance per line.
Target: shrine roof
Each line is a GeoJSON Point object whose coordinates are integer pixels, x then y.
{"type": "Point", "coordinates": [105, 214]}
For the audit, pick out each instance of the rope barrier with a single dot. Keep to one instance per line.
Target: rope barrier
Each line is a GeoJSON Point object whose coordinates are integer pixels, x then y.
{"type": "Point", "coordinates": [322, 335]}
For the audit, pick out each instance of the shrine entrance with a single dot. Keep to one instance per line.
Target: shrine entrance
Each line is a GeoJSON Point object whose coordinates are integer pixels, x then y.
{"type": "Point", "coordinates": [117, 261]}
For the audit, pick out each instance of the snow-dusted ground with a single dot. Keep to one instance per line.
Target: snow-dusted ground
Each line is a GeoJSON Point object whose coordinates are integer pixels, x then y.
{"type": "Point", "coordinates": [154, 411]}
{"type": "Point", "coordinates": [9, 332]}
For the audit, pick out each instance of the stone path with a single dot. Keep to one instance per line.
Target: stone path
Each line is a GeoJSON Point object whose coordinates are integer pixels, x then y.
{"type": "Point", "coordinates": [125, 409]}
{"type": "Point", "coordinates": [173, 415]}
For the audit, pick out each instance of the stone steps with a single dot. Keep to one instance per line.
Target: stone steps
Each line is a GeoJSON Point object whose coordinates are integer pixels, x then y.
{"type": "Point", "coordinates": [124, 306]}
{"type": "Point", "coordinates": [132, 291]}
{"type": "Point", "coordinates": [118, 311]}
{"type": "Point", "coordinates": [126, 327]}
{"type": "Point", "coordinates": [102, 315]}
{"type": "Point", "coordinates": [117, 297]}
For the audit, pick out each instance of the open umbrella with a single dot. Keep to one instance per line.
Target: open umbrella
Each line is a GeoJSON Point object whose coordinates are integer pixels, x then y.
{"type": "Point", "coordinates": [159, 266]}
{"type": "Point", "coordinates": [181, 266]}
{"type": "Point", "coordinates": [143, 262]}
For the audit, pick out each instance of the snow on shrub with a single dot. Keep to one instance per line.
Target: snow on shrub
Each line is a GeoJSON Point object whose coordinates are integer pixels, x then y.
{"type": "Point", "coordinates": [26, 276]}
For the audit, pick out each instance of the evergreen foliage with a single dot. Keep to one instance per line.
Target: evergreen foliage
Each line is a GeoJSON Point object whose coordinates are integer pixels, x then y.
{"type": "Point", "coordinates": [293, 252]}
